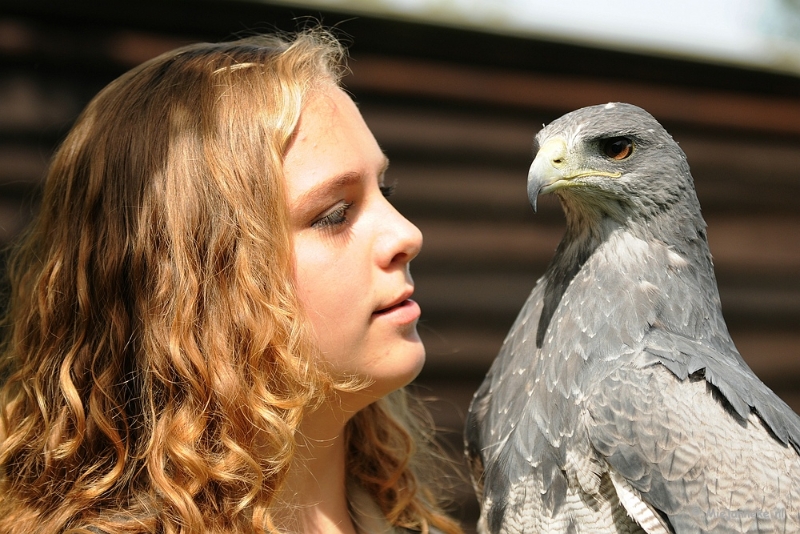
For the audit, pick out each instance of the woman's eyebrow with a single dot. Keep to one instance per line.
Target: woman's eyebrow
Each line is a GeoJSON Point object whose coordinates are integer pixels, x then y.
{"type": "Point", "coordinates": [322, 191]}
{"type": "Point", "coordinates": [327, 188]}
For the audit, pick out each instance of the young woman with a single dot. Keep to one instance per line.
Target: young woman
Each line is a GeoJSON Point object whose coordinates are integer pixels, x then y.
{"type": "Point", "coordinates": [211, 319]}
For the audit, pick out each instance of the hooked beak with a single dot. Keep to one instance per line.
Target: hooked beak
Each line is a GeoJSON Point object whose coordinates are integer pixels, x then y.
{"type": "Point", "coordinates": [546, 168]}
{"type": "Point", "coordinates": [552, 169]}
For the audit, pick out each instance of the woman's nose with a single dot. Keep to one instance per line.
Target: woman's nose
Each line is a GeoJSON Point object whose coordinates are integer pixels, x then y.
{"type": "Point", "coordinates": [401, 239]}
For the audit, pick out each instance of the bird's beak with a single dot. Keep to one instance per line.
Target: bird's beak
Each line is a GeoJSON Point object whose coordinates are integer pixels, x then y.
{"type": "Point", "coordinates": [553, 169]}
{"type": "Point", "coordinates": [547, 169]}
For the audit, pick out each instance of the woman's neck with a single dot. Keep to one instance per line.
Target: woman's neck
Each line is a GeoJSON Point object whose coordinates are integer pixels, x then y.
{"type": "Point", "coordinates": [314, 499]}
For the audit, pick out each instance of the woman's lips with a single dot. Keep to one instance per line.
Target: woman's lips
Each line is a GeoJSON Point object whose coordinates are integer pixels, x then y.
{"type": "Point", "coordinates": [404, 312]}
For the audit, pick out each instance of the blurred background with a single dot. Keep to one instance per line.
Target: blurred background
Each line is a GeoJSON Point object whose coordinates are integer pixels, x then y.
{"type": "Point", "coordinates": [454, 91]}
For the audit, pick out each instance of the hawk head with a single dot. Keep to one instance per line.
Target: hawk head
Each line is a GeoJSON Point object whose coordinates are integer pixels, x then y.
{"type": "Point", "coordinates": [613, 160]}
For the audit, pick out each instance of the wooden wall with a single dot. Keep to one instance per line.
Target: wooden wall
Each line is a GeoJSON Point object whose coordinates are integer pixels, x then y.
{"type": "Point", "coordinates": [456, 112]}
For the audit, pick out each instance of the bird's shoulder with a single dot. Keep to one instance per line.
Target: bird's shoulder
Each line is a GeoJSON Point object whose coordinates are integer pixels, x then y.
{"type": "Point", "coordinates": [500, 401]}
{"type": "Point", "coordinates": [514, 358]}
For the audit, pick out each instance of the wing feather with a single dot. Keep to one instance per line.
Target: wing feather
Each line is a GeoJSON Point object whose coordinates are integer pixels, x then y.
{"type": "Point", "coordinates": [690, 457]}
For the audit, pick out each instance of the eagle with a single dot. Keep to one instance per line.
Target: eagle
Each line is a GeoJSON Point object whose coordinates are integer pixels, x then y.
{"type": "Point", "coordinates": [618, 401]}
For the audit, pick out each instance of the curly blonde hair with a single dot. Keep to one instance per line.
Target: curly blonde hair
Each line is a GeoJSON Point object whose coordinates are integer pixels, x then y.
{"type": "Point", "coordinates": [156, 361]}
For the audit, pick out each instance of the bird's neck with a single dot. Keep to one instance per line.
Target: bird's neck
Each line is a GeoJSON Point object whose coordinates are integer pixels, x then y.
{"type": "Point", "coordinates": [670, 250]}
{"type": "Point", "coordinates": [588, 226]}
{"type": "Point", "coordinates": [679, 226]}
{"type": "Point", "coordinates": [586, 230]}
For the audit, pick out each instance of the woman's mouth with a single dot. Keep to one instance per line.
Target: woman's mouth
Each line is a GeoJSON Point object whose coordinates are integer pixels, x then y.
{"type": "Point", "coordinates": [405, 311]}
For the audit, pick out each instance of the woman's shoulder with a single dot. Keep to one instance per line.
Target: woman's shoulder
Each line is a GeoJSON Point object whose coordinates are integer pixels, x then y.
{"type": "Point", "coordinates": [368, 517]}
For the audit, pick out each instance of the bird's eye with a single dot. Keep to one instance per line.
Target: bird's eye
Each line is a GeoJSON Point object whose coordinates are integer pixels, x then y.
{"type": "Point", "coordinates": [617, 148]}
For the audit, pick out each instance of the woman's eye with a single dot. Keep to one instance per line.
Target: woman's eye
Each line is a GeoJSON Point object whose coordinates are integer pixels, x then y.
{"type": "Point", "coordinates": [335, 217]}
{"type": "Point", "coordinates": [617, 148]}
{"type": "Point", "coordinates": [387, 190]}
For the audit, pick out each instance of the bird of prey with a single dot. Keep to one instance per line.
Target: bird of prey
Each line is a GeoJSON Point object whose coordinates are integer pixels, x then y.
{"type": "Point", "coordinates": [618, 402]}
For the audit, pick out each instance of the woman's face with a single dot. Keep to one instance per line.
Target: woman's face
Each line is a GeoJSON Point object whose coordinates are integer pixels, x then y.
{"type": "Point", "coordinates": [352, 248]}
